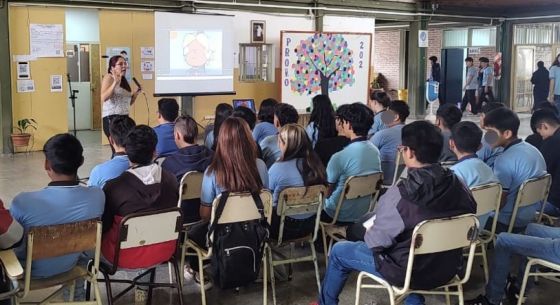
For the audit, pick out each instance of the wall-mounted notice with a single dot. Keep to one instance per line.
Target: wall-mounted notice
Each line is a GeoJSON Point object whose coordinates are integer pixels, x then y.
{"type": "Point", "coordinates": [46, 40]}
{"type": "Point", "coordinates": [147, 66]}
{"type": "Point", "coordinates": [146, 52]}
{"type": "Point", "coordinates": [23, 70]}
{"type": "Point", "coordinates": [25, 85]}
{"type": "Point", "coordinates": [56, 83]}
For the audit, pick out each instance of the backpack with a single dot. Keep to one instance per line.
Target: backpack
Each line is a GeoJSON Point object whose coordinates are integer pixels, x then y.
{"type": "Point", "coordinates": [237, 248]}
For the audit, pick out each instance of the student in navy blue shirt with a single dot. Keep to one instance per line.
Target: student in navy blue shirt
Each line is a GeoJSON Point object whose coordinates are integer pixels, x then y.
{"type": "Point", "coordinates": [447, 116]}
{"type": "Point", "coordinates": [265, 127]}
{"type": "Point", "coordinates": [168, 111]}
{"type": "Point", "coordinates": [548, 126]}
{"type": "Point", "coordinates": [322, 121]}
{"type": "Point", "coordinates": [298, 166]}
{"type": "Point", "coordinates": [118, 130]}
{"type": "Point", "coordinates": [378, 103]}
{"type": "Point", "coordinates": [360, 157]}
{"type": "Point", "coordinates": [387, 140]}
{"type": "Point", "coordinates": [283, 114]}
{"type": "Point", "coordinates": [519, 162]}
{"type": "Point", "coordinates": [487, 153]}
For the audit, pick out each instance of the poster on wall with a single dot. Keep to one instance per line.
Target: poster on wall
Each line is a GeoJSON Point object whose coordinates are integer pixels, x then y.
{"type": "Point", "coordinates": [334, 64]}
{"type": "Point", "coordinates": [46, 40]}
{"type": "Point", "coordinates": [124, 52]}
{"type": "Point", "coordinates": [56, 83]}
{"type": "Point", "coordinates": [146, 52]}
{"type": "Point", "coordinates": [23, 70]}
{"type": "Point", "coordinates": [25, 85]}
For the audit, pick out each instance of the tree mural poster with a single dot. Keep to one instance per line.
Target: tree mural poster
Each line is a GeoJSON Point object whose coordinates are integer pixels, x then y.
{"type": "Point", "coordinates": [334, 64]}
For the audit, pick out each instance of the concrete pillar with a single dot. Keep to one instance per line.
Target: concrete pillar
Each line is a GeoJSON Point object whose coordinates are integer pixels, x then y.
{"type": "Point", "coordinates": [504, 44]}
{"type": "Point", "coordinates": [416, 66]}
{"type": "Point", "coordinates": [5, 81]}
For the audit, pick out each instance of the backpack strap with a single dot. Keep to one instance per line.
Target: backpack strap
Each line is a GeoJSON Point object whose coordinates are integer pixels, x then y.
{"type": "Point", "coordinates": [219, 210]}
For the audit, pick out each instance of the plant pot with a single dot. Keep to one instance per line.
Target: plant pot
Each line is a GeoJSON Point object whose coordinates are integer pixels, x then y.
{"type": "Point", "coordinates": [21, 139]}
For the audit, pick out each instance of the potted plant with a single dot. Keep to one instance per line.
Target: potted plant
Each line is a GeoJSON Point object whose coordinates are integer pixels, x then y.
{"type": "Point", "coordinates": [21, 137]}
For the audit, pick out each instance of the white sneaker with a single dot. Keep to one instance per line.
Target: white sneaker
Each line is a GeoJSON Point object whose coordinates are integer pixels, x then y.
{"type": "Point", "coordinates": [192, 276]}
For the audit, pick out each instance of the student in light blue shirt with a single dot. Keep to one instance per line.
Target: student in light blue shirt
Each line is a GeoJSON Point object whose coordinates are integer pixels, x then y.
{"type": "Point", "coordinates": [519, 162]}
{"type": "Point", "coordinates": [360, 157]}
{"type": "Point", "coordinates": [378, 103]}
{"type": "Point", "coordinates": [298, 165]}
{"type": "Point", "coordinates": [265, 127]}
{"type": "Point", "coordinates": [447, 116]}
{"type": "Point", "coordinates": [62, 201]}
{"type": "Point", "coordinates": [101, 173]}
{"type": "Point", "coordinates": [487, 153]}
{"type": "Point", "coordinates": [168, 111]}
{"type": "Point", "coordinates": [223, 111]}
{"type": "Point", "coordinates": [322, 121]}
{"type": "Point", "coordinates": [283, 114]}
{"type": "Point", "coordinates": [465, 140]}
{"type": "Point", "coordinates": [554, 75]}
{"type": "Point", "coordinates": [388, 140]}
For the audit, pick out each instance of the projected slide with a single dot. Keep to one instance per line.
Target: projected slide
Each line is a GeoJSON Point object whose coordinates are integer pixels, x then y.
{"type": "Point", "coordinates": [193, 54]}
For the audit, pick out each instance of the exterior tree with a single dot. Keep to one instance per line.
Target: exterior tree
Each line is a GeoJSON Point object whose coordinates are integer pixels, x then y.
{"type": "Point", "coordinates": [324, 64]}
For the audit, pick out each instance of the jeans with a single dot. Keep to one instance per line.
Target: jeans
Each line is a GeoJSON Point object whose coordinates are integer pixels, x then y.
{"type": "Point", "coordinates": [346, 257]}
{"type": "Point", "coordinates": [551, 210]}
{"type": "Point", "coordinates": [539, 242]}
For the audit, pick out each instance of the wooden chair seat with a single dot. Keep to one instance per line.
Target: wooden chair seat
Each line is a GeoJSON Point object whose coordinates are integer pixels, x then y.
{"type": "Point", "coordinates": [63, 278]}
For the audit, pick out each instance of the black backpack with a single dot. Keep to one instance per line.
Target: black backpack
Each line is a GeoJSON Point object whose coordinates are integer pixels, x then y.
{"type": "Point", "coordinates": [237, 248]}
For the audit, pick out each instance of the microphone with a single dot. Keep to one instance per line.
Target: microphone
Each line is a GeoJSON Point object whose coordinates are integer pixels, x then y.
{"type": "Point", "coordinates": [137, 83]}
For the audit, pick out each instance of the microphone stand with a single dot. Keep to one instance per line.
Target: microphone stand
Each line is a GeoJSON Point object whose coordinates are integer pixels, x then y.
{"type": "Point", "coordinates": [73, 98]}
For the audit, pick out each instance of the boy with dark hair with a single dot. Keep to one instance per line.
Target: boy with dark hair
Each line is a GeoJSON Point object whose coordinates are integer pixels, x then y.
{"type": "Point", "coordinates": [429, 192]}
{"type": "Point", "coordinates": [387, 140]}
{"type": "Point", "coordinates": [548, 126]}
{"type": "Point", "coordinates": [246, 114]}
{"type": "Point", "coordinates": [142, 188]}
{"type": "Point", "coordinates": [487, 81]}
{"type": "Point", "coordinates": [487, 153]}
{"type": "Point", "coordinates": [519, 162]}
{"type": "Point", "coordinates": [327, 147]}
{"type": "Point", "coordinates": [360, 157]}
{"type": "Point", "coordinates": [118, 131]}
{"type": "Point", "coordinates": [470, 88]}
{"type": "Point", "coordinates": [64, 200]}
{"type": "Point", "coordinates": [168, 111]}
{"type": "Point", "coordinates": [189, 157]}
{"type": "Point", "coordinates": [283, 114]}
{"type": "Point", "coordinates": [535, 138]}
{"type": "Point", "coordinates": [265, 127]}
{"type": "Point", "coordinates": [447, 116]}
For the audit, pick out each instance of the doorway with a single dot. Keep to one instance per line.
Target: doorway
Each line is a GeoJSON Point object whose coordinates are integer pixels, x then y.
{"type": "Point", "coordinates": [452, 74]}
{"type": "Point", "coordinates": [523, 89]}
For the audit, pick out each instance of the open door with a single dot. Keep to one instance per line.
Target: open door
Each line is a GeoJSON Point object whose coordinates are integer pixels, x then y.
{"type": "Point", "coordinates": [523, 89]}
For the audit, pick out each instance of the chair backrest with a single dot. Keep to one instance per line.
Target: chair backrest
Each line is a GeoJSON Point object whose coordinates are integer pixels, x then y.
{"type": "Point", "coordinates": [358, 187]}
{"type": "Point", "coordinates": [148, 228]}
{"type": "Point", "coordinates": [439, 235]}
{"type": "Point", "coordinates": [190, 186]}
{"type": "Point", "coordinates": [57, 240]}
{"type": "Point", "coordinates": [487, 198]}
{"type": "Point", "coordinates": [300, 200]}
{"type": "Point", "coordinates": [530, 192]}
{"type": "Point", "coordinates": [399, 167]}
{"type": "Point", "coordinates": [241, 207]}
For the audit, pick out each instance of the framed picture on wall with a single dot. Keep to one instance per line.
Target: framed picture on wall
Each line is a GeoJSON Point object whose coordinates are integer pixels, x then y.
{"type": "Point", "coordinates": [258, 31]}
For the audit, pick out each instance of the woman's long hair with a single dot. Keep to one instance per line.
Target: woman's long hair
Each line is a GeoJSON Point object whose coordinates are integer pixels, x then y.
{"type": "Point", "coordinates": [266, 110]}
{"type": "Point", "coordinates": [112, 63]}
{"type": "Point", "coordinates": [323, 117]}
{"type": "Point", "coordinates": [298, 146]}
{"type": "Point", "coordinates": [556, 61]}
{"type": "Point", "coordinates": [234, 162]}
{"type": "Point", "coordinates": [223, 111]}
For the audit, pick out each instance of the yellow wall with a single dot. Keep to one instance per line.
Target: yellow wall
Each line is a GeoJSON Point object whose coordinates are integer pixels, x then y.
{"type": "Point", "coordinates": [47, 108]}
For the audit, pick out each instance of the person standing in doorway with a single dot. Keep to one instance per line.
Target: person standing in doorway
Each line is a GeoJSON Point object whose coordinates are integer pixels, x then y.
{"type": "Point", "coordinates": [487, 81]}
{"type": "Point", "coordinates": [435, 75]}
{"type": "Point", "coordinates": [554, 95]}
{"type": "Point", "coordinates": [471, 85]}
{"type": "Point", "coordinates": [540, 80]}
{"type": "Point", "coordinates": [116, 93]}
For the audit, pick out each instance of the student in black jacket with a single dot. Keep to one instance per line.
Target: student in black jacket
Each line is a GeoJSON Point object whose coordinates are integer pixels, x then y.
{"type": "Point", "coordinates": [541, 83]}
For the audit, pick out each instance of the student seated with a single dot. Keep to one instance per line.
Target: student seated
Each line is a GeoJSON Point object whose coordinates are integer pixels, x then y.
{"type": "Point", "coordinates": [168, 111]}
{"type": "Point", "coordinates": [464, 142]}
{"type": "Point", "coordinates": [429, 192]}
{"type": "Point", "coordinates": [327, 147]}
{"type": "Point", "coordinates": [487, 153]}
{"type": "Point", "coordinates": [447, 116]}
{"type": "Point", "coordinates": [360, 157]}
{"type": "Point", "coordinates": [265, 127]}
{"type": "Point", "coordinates": [223, 111]}
{"type": "Point", "coordinates": [548, 126]}
{"type": "Point", "coordinates": [519, 162]}
{"type": "Point", "coordinates": [234, 168]}
{"type": "Point", "coordinates": [144, 187]}
{"type": "Point", "coordinates": [189, 157]}
{"type": "Point", "coordinates": [388, 139]}
{"type": "Point", "coordinates": [283, 114]}
{"type": "Point", "coordinates": [298, 165]}
{"type": "Point", "coordinates": [248, 116]}
{"type": "Point", "coordinates": [539, 241]}
{"type": "Point", "coordinates": [378, 103]}
{"type": "Point", "coordinates": [322, 121]}
{"type": "Point", "coordinates": [118, 130]}
{"type": "Point", "coordinates": [64, 200]}
{"type": "Point", "coordinates": [536, 139]}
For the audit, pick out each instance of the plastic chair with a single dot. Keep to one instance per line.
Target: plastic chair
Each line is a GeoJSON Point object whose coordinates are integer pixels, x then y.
{"type": "Point", "coordinates": [488, 198]}
{"type": "Point", "coordinates": [432, 236]}
{"type": "Point", "coordinates": [297, 201]}
{"type": "Point", "coordinates": [13, 271]}
{"type": "Point", "coordinates": [238, 207]}
{"type": "Point", "coordinates": [534, 262]}
{"type": "Point", "coordinates": [58, 240]}
{"type": "Point", "coordinates": [142, 230]}
{"type": "Point", "coordinates": [354, 187]}
{"type": "Point", "coordinates": [530, 192]}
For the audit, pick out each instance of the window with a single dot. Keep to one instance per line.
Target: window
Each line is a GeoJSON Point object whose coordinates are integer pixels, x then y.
{"type": "Point", "coordinates": [455, 38]}
{"type": "Point", "coordinates": [256, 62]}
{"type": "Point", "coordinates": [483, 37]}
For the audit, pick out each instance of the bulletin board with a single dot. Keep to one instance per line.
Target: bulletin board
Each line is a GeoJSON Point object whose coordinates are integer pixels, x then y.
{"type": "Point", "coordinates": [337, 64]}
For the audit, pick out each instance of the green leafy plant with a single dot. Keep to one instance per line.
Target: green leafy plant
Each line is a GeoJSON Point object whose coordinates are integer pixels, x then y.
{"type": "Point", "coordinates": [24, 124]}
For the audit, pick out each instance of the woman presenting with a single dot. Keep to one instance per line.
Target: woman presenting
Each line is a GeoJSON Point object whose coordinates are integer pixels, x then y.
{"type": "Point", "coordinates": [116, 93]}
